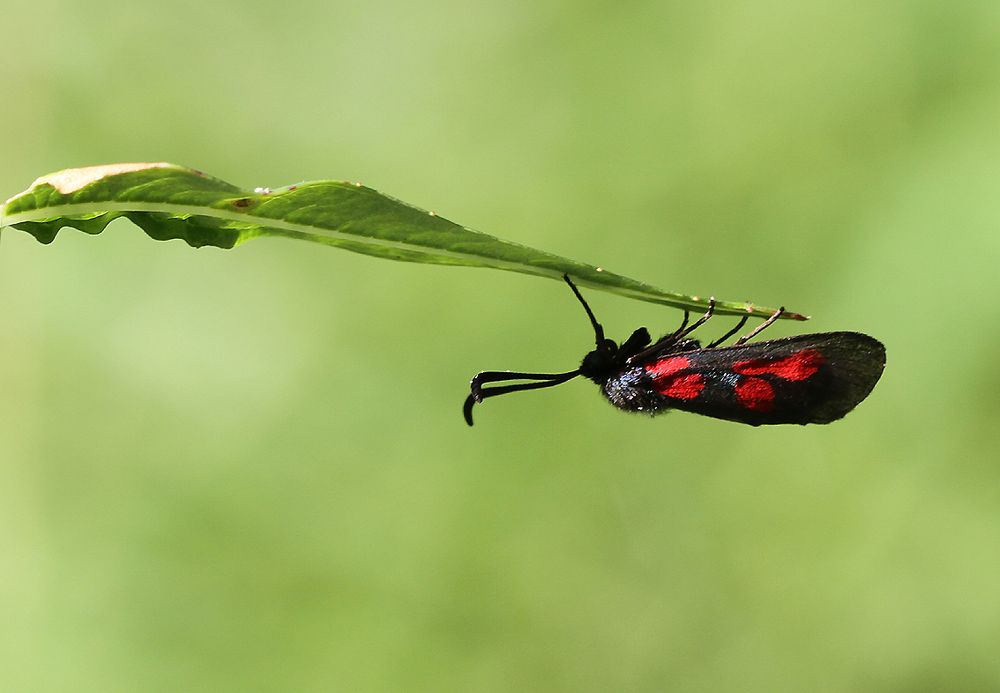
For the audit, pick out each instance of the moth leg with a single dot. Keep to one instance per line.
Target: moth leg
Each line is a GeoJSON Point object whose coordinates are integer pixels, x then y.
{"type": "Point", "coordinates": [720, 340]}
{"type": "Point", "coordinates": [697, 323]}
{"type": "Point", "coordinates": [761, 327]}
{"type": "Point", "coordinates": [684, 322]}
{"type": "Point", "coordinates": [674, 337]}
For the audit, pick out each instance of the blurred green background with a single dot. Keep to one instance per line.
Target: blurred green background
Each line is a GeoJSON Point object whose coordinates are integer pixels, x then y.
{"type": "Point", "coordinates": [247, 470]}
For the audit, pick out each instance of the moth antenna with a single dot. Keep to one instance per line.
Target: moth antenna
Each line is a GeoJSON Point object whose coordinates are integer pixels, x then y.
{"type": "Point", "coordinates": [478, 394]}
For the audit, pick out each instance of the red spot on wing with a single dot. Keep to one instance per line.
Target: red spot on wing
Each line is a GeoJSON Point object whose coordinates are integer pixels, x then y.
{"type": "Point", "coordinates": [669, 366]}
{"type": "Point", "coordinates": [686, 386]}
{"type": "Point", "coordinates": [756, 394]}
{"type": "Point", "coordinates": [669, 380]}
{"type": "Point", "coordinates": [801, 365]}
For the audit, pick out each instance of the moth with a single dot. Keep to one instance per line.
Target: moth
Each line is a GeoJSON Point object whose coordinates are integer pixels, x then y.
{"type": "Point", "coordinates": [809, 378]}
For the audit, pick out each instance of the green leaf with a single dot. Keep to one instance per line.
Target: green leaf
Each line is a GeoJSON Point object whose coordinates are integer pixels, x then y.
{"type": "Point", "coordinates": [169, 201]}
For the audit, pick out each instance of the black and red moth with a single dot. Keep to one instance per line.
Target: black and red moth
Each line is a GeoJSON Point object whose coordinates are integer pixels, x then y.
{"type": "Point", "coordinates": [811, 378]}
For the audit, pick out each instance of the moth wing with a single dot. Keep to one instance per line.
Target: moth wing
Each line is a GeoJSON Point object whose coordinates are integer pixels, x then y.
{"type": "Point", "coordinates": [811, 378]}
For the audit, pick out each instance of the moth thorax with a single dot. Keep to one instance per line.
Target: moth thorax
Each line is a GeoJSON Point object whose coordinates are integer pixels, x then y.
{"type": "Point", "coordinates": [630, 390]}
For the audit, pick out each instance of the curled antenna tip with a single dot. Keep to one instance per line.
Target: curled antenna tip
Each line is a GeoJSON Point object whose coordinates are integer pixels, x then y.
{"type": "Point", "coordinates": [467, 408]}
